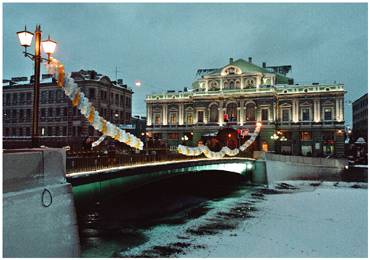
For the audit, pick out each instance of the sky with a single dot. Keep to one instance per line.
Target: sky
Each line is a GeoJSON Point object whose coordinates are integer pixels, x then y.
{"type": "Point", "coordinates": [163, 45]}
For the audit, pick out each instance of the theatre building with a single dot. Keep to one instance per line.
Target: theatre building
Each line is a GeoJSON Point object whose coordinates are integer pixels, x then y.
{"type": "Point", "coordinates": [296, 119]}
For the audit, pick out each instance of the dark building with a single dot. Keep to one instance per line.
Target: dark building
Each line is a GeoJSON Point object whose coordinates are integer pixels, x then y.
{"type": "Point", "coordinates": [61, 124]}
{"type": "Point", "coordinates": [359, 118]}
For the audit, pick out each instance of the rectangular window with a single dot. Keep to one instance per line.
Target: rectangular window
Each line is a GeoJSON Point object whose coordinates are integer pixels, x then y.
{"type": "Point", "coordinates": [22, 98]}
{"type": "Point", "coordinates": [157, 119]}
{"type": "Point", "coordinates": [328, 114]}
{"type": "Point", "coordinates": [117, 100]}
{"type": "Point", "coordinates": [189, 118]}
{"type": "Point", "coordinates": [7, 99]}
{"type": "Point", "coordinates": [14, 131]}
{"type": "Point", "coordinates": [57, 130]}
{"type": "Point", "coordinates": [28, 131]}
{"type": "Point", "coordinates": [286, 116]}
{"type": "Point", "coordinates": [43, 96]}
{"type": "Point", "coordinates": [173, 118]}
{"type": "Point", "coordinates": [50, 112]}
{"type": "Point", "coordinates": [15, 98]}
{"type": "Point", "coordinates": [51, 96]}
{"type": "Point", "coordinates": [305, 114]}
{"type": "Point", "coordinates": [200, 116]}
{"type": "Point", "coordinates": [265, 114]}
{"type": "Point", "coordinates": [20, 131]}
{"type": "Point", "coordinates": [121, 101]}
{"type": "Point", "coordinates": [14, 114]}
{"type": "Point", "coordinates": [28, 115]}
{"type": "Point", "coordinates": [173, 136]}
{"type": "Point", "coordinates": [29, 95]}
{"type": "Point", "coordinates": [64, 131]}
{"type": "Point", "coordinates": [92, 93]}
{"type": "Point", "coordinates": [21, 115]}
{"type": "Point", "coordinates": [50, 131]}
{"type": "Point", "coordinates": [57, 111]}
{"type": "Point", "coordinates": [306, 136]}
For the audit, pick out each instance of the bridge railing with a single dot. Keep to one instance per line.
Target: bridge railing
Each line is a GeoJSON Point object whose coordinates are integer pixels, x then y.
{"type": "Point", "coordinates": [91, 162]}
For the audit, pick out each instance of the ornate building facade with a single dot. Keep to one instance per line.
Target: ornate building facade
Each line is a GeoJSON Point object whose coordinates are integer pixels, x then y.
{"type": "Point", "coordinates": [296, 119]}
{"type": "Point", "coordinates": [61, 124]}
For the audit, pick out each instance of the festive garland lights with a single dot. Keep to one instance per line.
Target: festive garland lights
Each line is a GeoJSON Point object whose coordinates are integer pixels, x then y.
{"type": "Point", "coordinates": [80, 101]}
{"type": "Point", "coordinates": [202, 149]}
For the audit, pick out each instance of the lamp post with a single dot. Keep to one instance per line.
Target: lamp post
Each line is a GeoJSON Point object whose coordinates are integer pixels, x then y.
{"type": "Point", "coordinates": [25, 39]}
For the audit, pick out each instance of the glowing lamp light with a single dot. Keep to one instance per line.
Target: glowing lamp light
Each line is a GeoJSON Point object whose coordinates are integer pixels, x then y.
{"type": "Point", "coordinates": [249, 166]}
{"type": "Point", "coordinates": [137, 83]}
{"type": "Point", "coordinates": [49, 46]}
{"type": "Point", "coordinates": [259, 124]}
{"type": "Point", "coordinates": [229, 135]}
{"type": "Point", "coordinates": [25, 37]}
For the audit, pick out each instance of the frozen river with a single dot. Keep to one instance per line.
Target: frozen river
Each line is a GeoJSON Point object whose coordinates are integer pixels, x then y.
{"type": "Point", "coordinates": [218, 215]}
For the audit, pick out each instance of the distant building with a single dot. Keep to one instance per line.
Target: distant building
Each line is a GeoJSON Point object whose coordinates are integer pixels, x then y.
{"type": "Point", "coordinates": [359, 118]}
{"type": "Point", "coordinates": [308, 119]}
{"type": "Point", "coordinates": [140, 125]}
{"type": "Point", "coordinates": [60, 124]}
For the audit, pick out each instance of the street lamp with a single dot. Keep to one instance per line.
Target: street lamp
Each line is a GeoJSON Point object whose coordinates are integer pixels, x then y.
{"type": "Point", "coordinates": [25, 39]}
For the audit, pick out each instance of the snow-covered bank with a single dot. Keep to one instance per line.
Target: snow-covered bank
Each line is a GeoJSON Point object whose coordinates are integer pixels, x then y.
{"type": "Point", "coordinates": [329, 220]}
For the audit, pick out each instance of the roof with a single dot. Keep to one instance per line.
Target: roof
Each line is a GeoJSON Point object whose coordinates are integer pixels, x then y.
{"type": "Point", "coordinates": [246, 66]}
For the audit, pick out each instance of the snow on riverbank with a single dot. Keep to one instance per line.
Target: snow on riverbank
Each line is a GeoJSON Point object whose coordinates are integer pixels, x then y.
{"type": "Point", "coordinates": [324, 220]}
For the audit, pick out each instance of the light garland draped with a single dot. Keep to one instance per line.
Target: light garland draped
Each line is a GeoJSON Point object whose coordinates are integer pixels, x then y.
{"type": "Point", "coordinates": [196, 151]}
{"type": "Point", "coordinates": [80, 101]}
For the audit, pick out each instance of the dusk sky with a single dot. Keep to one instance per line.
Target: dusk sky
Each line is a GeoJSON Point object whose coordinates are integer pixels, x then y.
{"type": "Point", "coordinates": [164, 44]}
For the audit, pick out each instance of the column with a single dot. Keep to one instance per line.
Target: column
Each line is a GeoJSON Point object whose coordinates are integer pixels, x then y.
{"type": "Point", "coordinates": [341, 109]}
{"type": "Point", "coordinates": [295, 111]}
{"type": "Point", "coordinates": [149, 115]}
{"type": "Point", "coordinates": [242, 115]}
{"type": "Point", "coordinates": [181, 114]}
{"type": "Point", "coordinates": [241, 82]}
{"type": "Point", "coordinates": [319, 110]}
{"type": "Point", "coordinates": [337, 112]}
{"type": "Point", "coordinates": [221, 84]}
{"type": "Point", "coordinates": [164, 114]}
{"type": "Point", "coordinates": [316, 111]}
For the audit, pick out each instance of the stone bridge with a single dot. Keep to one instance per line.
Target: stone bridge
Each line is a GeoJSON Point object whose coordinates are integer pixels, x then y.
{"type": "Point", "coordinates": [118, 179]}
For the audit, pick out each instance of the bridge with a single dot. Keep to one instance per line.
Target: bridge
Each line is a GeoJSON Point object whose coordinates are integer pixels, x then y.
{"type": "Point", "coordinates": [112, 180]}
{"type": "Point", "coordinates": [39, 194]}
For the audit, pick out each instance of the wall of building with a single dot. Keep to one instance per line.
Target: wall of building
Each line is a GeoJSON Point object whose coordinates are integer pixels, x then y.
{"type": "Point", "coordinates": [57, 117]}
{"type": "Point", "coordinates": [284, 167]}
{"type": "Point", "coordinates": [39, 218]}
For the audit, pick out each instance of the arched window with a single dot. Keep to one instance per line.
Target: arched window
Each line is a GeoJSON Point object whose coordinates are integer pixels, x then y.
{"type": "Point", "coordinates": [214, 85]}
{"type": "Point", "coordinates": [237, 84]}
{"type": "Point", "coordinates": [232, 84]}
{"type": "Point", "coordinates": [231, 111]}
{"type": "Point", "coordinates": [213, 113]}
{"type": "Point", "coordinates": [226, 84]}
{"type": "Point", "coordinates": [250, 112]}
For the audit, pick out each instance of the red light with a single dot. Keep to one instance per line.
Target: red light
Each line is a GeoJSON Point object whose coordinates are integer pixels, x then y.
{"type": "Point", "coordinates": [238, 131]}
{"type": "Point", "coordinates": [229, 135]}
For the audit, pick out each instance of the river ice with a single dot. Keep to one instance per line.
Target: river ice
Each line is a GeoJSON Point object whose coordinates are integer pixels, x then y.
{"type": "Point", "coordinates": [328, 220]}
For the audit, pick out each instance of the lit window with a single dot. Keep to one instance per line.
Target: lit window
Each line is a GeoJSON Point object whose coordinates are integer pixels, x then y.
{"type": "Point", "coordinates": [328, 114]}
{"type": "Point", "coordinates": [173, 119]}
{"type": "Point", "coordinates": [189, 118]}
{"type": "Point", "coordinates": [306, 136]}
{"type": "Point", "coordinates": [157, 119]}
